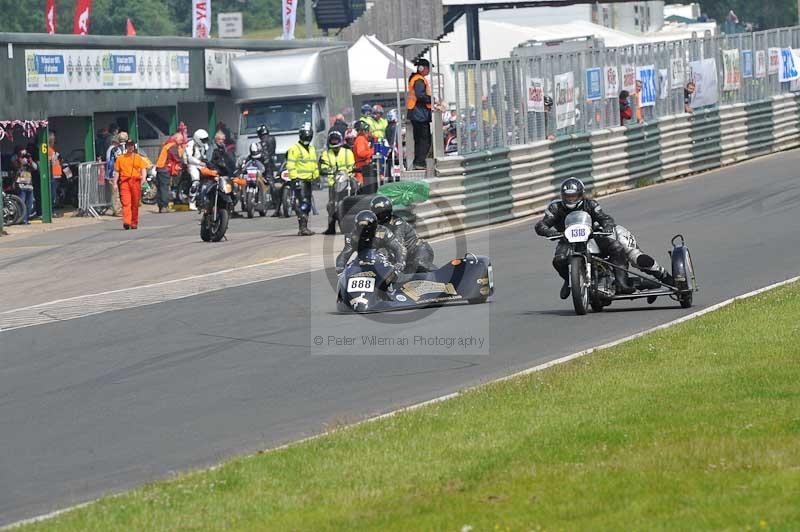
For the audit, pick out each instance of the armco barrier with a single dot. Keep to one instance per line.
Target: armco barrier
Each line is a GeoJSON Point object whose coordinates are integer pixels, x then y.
{"type": "Point", "coordinates": [507, 183]}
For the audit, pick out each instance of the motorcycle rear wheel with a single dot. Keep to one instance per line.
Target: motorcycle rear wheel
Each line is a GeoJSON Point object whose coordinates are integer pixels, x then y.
{"type": "Point", "coordinates": [580, 290]}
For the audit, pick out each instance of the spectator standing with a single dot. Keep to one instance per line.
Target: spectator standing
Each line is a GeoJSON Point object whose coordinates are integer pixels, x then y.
{"type": "Point", "coordinates": [639, 110]}
{"type": "Point", "coordinates": [366, 114]}
{"type": "Point", "coordinates": [687, 97]}
{"type": "Point", "coordinates": [168, 165]}
{"type": "Point", "coordinates": [56, 172]}
{"type": "Point", "coordinates": [378, 124]}
{"type": "Point", "coordinates": [23, 166]}
{"type": "Point", "coordinates": [625, 111]}
{"type": "Point", "coordinates": [130, 169]}
{"type": "Point", "coordinates": [419, 103]}
{"type": "Point", "coordinates": [363, 151]}
{"type": "Point", "coordinates": [339, 125]}
{"type": "Point", "coordinates": [116, 149]}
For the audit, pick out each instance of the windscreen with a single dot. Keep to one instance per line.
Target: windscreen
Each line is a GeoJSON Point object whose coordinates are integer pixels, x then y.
{"type": "Point", "coordinates": [281, 117]}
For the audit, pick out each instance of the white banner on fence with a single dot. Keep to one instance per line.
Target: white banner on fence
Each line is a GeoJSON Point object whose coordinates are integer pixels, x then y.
{"type": "Point", "coordinates": [731, 70]}
{"type": "Point", "coordinates": [678, 75]}
{"type": "Point", "coordinates": [774, 60]}
{"type": "Point", "coordinates": [663, 83]}
{"type": "Point", "coordinates": [611, 77]}
{"type": "Point", "coordinates": [761, 64]}
{"type": "Point", "coordinates": [218, 69]}
{"type": "Point", "coordinates": [629, 78]}
{"type": "Point", "coordinates": [201, 16]}
{"type": "Point", "coordinates": [72, 70]}
{"type": "Point", "coordinates": [704, 75]}
{"type": "Point", "coordinates": [565, 100]}
{"type": "Point", "coordinates": [788, 68]}
{"type": "Point", "coordinates": [647, 75]}
{"type": "Point", "coordinates": [535, 91]}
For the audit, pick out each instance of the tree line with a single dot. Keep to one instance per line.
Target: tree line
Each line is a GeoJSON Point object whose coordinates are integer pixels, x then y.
{"type": "Point", "coordinates": [151, 17]}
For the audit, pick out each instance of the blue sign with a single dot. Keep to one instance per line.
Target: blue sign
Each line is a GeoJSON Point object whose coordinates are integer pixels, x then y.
{"type": "Point", "coordinates": [788, 68]}
{"type": "Point", "coordinates": [747, 63]}
{"type": "Point", "coordinates": [647, 75]}
{"type": "Point", "coordinates": [123, 64]}
{"type": "Point", "coordinates": [49, 65]}
{"type": "Point", "coordinates": [594, 88]}
{"type": "Point", "coordinates": [183, 64]}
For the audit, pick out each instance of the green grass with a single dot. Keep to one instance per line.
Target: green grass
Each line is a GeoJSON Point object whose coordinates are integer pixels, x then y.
{"type": "Point", "coordinates": [692, 428]}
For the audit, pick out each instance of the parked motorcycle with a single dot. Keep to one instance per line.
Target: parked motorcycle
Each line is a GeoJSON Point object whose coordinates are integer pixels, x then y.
{"type": "Point", "coordinates": [282, 192]}
{"type": "Point", "coordinates": [253, 199]}
{"type": "Point", "coordinates": [150, 187]}
{"type": "Point", "coordinates": [13, 209]}
{"type": "Point", "coordinates": [216, 203]}
{"type": "Point", "coordinates": [345, 186]}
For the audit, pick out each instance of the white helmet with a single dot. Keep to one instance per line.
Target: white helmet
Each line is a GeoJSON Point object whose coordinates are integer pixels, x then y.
{"type": "Point", "coordinates": [200, 136]}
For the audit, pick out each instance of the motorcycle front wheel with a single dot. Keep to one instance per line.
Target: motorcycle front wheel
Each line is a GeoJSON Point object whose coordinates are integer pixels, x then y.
{"type": "Point", "coordinates": [149, 195]}
{"type": "Point", "coordinates": [580, 288]}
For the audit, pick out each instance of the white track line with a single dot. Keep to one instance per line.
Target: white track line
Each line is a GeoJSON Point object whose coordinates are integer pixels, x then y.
{"type": "Point", "coordinates": [528, 371]}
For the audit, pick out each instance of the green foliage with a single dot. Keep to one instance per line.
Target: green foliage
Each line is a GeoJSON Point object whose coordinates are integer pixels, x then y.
{"type": "Point", "coordinates": [151, 17]}
{"type": "Point", "coordinates": [765, 15]}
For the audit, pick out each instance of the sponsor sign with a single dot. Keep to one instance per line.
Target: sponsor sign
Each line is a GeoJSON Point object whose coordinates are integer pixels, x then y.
{"type": "Point", "coordinates": [731, 70]}
{"type": "Point", "coordinates": [67, 70]}
{"type": "Point", "coordinates": [218, 71]}
{"type": "Point", "coordinates": [647, 75]}
{"type": "Point", "coordinates": [565, 100]}
{"type": "Point", "coordinates": [229, 25]}
{"type": "Point", "coordinates": [594, 84]}
{"type": "Point", "coordinates": [611, 77]}
{"type": "Point", "coordinates": [535, 91]}
{"type": "Point", "coordinates": [704, 75]}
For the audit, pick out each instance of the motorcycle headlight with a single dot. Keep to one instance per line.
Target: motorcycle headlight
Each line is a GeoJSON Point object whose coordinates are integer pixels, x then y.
{"type": "Point", "coordinates": [227, 186]}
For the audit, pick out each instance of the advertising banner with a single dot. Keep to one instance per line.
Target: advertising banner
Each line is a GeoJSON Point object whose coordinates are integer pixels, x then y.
{"type": "Point", "coordinates": [74, 70]}
{"type": "Point", "coordinates": [704, 75]}
{"type": "Point", "coordinates": [761, 64]}
{"type": "Point", "coordinates": [629, 78]}
{"type": "Point", "coordinates": [565, 100]}
{"type": "Point", "coordinates": [201, 19]}
{"type": "Point", "coordinates": [289, 19]}
{"type": "Point", "coordinates": [731, 70]}
{"type": "Point", "coordinates": [535, 90]}
{"type": "Point", "coordinates": [611, 76]}
{"type": "Point", "coordinates": [647, 75]}
{"type": "Point", "coordinates": [218, 69]}
{"type": "Point", "coordinates": [594, 84]}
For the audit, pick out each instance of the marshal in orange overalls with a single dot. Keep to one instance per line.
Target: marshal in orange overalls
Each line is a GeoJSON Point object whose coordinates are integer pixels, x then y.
{"type": "Point", "coordinates": [131, 169]}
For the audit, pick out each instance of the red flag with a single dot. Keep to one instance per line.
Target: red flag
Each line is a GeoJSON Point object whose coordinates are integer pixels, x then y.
{"type": "Point", "coordinates": [50, 17]}
{"type": "Point", "coordinates": [80, 24]}
{"type": "Point", "coordinates": [131, 32]}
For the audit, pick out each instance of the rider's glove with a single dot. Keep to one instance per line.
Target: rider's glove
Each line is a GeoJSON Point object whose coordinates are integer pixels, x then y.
{"type": "Point", "coordinates": [552, 232]}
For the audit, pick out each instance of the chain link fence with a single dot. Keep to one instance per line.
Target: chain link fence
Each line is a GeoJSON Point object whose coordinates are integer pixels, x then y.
{"type": "Point", "coordinates": [523, 99]}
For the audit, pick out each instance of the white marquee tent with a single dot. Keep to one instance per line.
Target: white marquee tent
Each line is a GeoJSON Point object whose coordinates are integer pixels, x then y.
{"type": "Point", "coordinates": [373, 69]}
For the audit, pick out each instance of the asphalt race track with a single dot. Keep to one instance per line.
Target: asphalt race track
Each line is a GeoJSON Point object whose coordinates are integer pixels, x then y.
{"type": "Point", "coordinates": [102, 403]}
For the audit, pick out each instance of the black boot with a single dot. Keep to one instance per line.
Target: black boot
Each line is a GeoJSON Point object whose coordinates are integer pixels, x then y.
{"type": "Point", "coordinates": [622, 282]}
{"type": "Point", "coordinates": [304, 230]}
{"type": "Point", "coordinates": [331, 230]}
{"type": "Point", "coordinates": [665, 277]}
{"type": "Point", "coordinates": [564, 294]}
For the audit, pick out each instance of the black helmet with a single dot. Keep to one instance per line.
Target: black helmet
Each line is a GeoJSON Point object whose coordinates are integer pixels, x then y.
{"type": "Point", "coordinates": [361, 126]}
{"type": "Point", "coordinates": [366, 109]}
{"type": "Point", "coordinates": [262, 130]}
{"type": "Point", "coordinates": [366, 224]}
{"type": "Point", "coordinates": [255, 150]}
{"type": "Point", "coordinates": [382, 207]}
{"type": "Point", "coordinates": [335, 139]}
{"type": "Point", "coordinates": [306, 135]}
{"type": "Point", "coordinates": [572, 193]}
{"type": "Point", "coordinates": [548, 101]}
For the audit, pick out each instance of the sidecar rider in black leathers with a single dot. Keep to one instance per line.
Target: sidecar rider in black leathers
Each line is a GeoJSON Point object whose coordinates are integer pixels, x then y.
{"type": "Point", "coordinates": [552, 224]}
{"type": "Point", "coordinates": [419, 254]}
{"type": "Point", "coordinates": [369, 235]}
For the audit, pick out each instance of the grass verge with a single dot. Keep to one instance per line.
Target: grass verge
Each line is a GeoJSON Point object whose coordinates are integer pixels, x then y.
{"type": "Point", "coordinates": [694, 427]}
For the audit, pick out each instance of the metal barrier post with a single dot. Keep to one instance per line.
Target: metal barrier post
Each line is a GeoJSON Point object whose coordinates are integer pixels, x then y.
{"type": "Point", "coordinates": [46, 207]}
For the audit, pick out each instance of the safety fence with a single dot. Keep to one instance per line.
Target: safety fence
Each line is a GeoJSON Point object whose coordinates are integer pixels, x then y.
{"type": "Point", "coordinates": [527, 98]}
{"type": "Point", "coordinates": [507, 183]}
{"type": "Point", "coordinates": [94, 191]}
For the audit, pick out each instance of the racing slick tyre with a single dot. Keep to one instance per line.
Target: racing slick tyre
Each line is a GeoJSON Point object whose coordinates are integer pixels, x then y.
{"type": "Point", "coordinates": [579, 285]}
{"type": "Point", "coordinates": [685, 300]}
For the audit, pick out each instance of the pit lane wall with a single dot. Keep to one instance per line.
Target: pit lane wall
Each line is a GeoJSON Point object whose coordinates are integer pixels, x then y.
{"type": "Point", "coordinates": [507, 183]}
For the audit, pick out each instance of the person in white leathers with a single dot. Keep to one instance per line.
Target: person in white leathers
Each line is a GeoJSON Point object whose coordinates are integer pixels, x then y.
{"type": "Point", "coordinates": [194, 156]}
